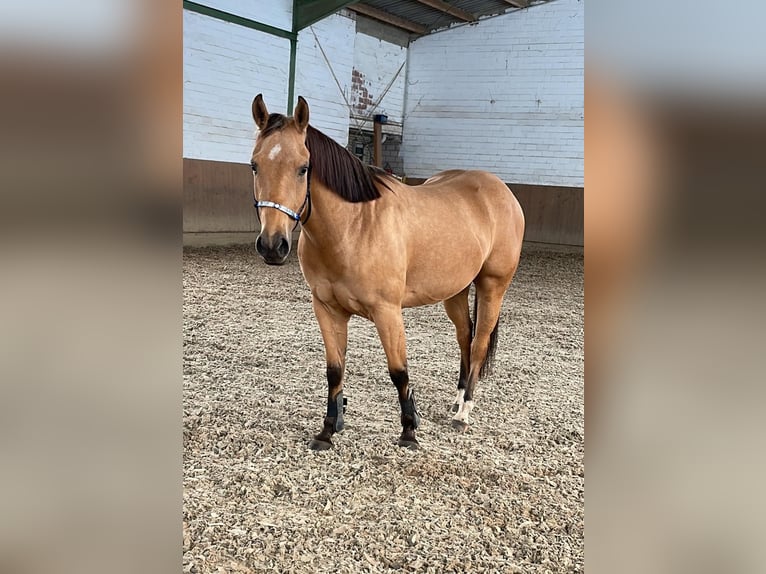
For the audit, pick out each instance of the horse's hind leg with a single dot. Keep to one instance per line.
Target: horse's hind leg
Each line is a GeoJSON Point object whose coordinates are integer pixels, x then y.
{"type": "Point", "coordinates": [334, 326]}
{"type": "Point", "coordinates": [459, 314]}
{"type": "Point", "coordinates": [489, 293]}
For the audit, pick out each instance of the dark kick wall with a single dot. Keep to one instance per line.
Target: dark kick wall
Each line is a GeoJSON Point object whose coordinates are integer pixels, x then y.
{"type": "Point", "coordinates": [553, 214]}
{"type": "Point", "coordinates": [218, 198]}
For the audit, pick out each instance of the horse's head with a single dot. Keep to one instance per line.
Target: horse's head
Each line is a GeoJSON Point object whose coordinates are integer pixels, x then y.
{"type": "Point", "coordinates": [280, 164]}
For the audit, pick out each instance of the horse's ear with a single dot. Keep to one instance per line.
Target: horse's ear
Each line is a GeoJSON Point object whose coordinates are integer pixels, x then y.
{"type": "Point", "coordinates": [260, 113]}
{"type": "Point", "coordinates": [302, 114]}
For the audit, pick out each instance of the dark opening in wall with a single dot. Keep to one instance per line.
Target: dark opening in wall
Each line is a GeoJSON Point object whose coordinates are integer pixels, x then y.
{"type": "Point", "coordinates": [360, 144]}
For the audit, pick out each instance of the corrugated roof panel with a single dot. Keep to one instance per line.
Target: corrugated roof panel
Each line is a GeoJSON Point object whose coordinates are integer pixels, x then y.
{"type": "Point", "coordinates": [413, 11]}
{"type": "Point", "coordinates": [434, 19]}
{"type": "Point", "coordinates": [482, 7]}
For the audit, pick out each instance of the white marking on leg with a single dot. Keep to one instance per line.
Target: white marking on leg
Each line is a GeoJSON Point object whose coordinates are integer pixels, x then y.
{"type": "Point", "coordinates": [459, 398]}
{"type": "Point", "coordinates": [464, 411]}
{"type": "Point", "coordinates": [275, 151]}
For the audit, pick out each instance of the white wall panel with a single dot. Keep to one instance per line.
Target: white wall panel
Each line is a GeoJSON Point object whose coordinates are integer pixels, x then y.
{"type": "Point", "coordinates": [225, 66]}
{"type": "Point", "coordinates": [505, 95]}
{"type": "Point", "coordinates": [376, 63]}
{"type": "Point", "coordinates": [315, 82]}
{"type": "Point", "coordinates": [277, 13]}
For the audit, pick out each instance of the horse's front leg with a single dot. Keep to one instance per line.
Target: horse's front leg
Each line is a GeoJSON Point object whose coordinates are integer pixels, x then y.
{"type": "Point", "coordinates": [390, 326]}
{"type": "Point", "coordinates": [333, 322]}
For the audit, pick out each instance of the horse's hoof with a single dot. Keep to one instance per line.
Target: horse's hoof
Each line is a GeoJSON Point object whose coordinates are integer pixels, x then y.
{"type": "Point", "coordinates": [459, 425]}
{"type": "Point", "coordinates": [317, 444]}
{"type": "Point", "coordinates": [455, 408]}
{"type": "Point", "coordinates": [408, 443]}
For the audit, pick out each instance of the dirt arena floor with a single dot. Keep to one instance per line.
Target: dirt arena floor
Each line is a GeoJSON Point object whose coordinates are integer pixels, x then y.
{"type": "Point", "coordinates": [507, 496]}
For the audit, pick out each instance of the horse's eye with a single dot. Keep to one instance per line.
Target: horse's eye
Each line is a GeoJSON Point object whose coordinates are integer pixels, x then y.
{"type": "Point", "coordinates": [255, 167]}
{"type": "Point", "coordinates": [303, 171]}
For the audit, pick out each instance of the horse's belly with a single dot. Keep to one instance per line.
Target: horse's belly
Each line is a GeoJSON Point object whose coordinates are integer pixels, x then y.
{"type": "Point", "coordinates": [434, 283]}
{"type": "Point", "coordinates": [416, 298]}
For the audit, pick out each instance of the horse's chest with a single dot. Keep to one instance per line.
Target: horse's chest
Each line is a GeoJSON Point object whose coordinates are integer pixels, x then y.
{"type": "Point", "coordinates": [356, 294]}
{"type": "Point", "coordinates": [357, 284]}
{"type": "Point", "coordinates": [343, 295]}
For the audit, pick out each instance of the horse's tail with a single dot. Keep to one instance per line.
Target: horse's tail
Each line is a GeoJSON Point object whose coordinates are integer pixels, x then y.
{"type": "Point", "coordinates": [486, 367]}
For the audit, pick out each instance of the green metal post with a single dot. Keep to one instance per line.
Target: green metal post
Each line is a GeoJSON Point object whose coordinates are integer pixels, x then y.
{"type": "Point", "coordinates": [291, 76]}
{"type": "Point", "coordinates": [305, 13]}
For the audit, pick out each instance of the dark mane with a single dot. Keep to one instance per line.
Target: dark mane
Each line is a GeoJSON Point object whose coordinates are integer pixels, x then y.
{"type": "Point", "coordinates": [335, 166]}
{"type": "Point", "coordinates": [342, 171]}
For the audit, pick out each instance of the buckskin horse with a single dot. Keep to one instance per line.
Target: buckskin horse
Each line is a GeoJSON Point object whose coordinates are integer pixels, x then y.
{"type": "Point", "coordinates": [371, 245]}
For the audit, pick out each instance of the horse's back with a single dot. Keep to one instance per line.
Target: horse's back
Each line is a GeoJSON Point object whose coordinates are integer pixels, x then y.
{"type": "Point", "coordinates": [482, 196]}
{"type": "Point", "coordinates": [443, 175]}
{"type": "Point", "coordinates": [466, 181]}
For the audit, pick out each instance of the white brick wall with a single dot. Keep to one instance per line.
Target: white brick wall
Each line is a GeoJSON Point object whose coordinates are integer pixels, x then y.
{"type": "Point", "coordinates": [226, 65]}
{"type": "Point", "coordinates": [378, 62]}
{"type": "Point", "coordinates": [277, 13]}
{"type": "Point", "coordinates": [313, 79]}
{"type": "Point", "coordinates": [505, 95]}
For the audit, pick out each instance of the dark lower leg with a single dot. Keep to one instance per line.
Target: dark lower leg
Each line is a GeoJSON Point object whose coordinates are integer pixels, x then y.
{"type": "Point", "coordinates": [333, 421]}
{"type": "Point", "coordinates": [333, 322]}
{"type": "Point", "coordinates": [464, 407]}
{"type": "Point", "coordinates": [457, 311]}
{"type": "Point", "coordinates": [478, 352]}
{"type": "Point", "coordinates": [410, 417]}
{"type": "Point", "coordinates": [461, 386]}
{"type": "Point", "coordinates": [390, 326]}
{"type": "Point", "coordinates": [486, 319]}
{"type": "Point", "coordinates": [465, 360]}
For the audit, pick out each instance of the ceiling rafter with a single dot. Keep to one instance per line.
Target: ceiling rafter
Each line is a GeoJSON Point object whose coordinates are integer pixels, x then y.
{"type": "Point", "coordinates": [449, 9]}
{"type": "Point", "coordinates": [388, 18]}
{"type": "Point", "coordinates": [306, 12]}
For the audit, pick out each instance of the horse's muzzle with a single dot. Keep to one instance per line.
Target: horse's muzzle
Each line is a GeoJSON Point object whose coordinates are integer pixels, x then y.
{"type": "Point", "coordinates": [274, 249]}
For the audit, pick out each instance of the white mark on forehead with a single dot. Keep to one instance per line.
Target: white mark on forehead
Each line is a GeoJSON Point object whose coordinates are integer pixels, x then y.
{"type": "Point", "coordinates": [275, 151]}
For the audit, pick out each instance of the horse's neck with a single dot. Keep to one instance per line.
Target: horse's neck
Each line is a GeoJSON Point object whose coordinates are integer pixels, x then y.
{"type": "Point", "coordinates": [328, 224]}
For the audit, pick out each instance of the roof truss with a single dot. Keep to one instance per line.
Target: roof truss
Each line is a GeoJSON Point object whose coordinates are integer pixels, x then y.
{"type": "Point", "coordinates": [307, 12]}
{"type": "Point", "coordinates": [449, 9]}
{"type": "Point", "coordinates": [388, 18]}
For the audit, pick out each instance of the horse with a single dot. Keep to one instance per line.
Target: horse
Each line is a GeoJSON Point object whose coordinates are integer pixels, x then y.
{"type": "Point", "coordinates": [370, 245]}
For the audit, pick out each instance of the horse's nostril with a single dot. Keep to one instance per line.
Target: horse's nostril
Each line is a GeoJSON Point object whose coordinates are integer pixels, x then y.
{"type": "Point", "coordinates": [284, 247]}
{"type": "Point", "coordinates": [273, 248]}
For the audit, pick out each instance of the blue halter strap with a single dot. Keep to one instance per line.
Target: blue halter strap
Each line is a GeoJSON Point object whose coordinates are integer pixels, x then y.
{"type": "Point", "coordinates": [295, 216]}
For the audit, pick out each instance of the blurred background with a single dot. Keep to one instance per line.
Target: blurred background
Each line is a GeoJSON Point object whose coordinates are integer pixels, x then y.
{"type": "Point", "coordinates": [675, 278]}
{"type": "Point", "coordinates": [90, 299]}
{"type": "Point", "coordinates": [90, 253]}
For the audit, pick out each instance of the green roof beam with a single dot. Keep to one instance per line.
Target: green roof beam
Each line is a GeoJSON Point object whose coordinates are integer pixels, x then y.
{"type": "Point", "coordinates": [234, 19]}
